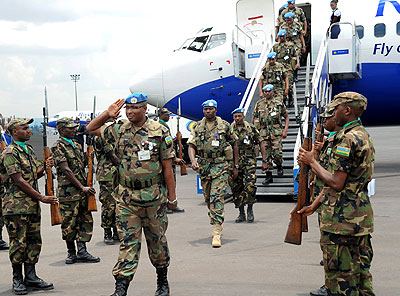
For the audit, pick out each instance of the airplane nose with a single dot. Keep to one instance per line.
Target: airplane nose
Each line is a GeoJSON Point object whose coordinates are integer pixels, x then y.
{"type": "Point", "coordinates": [152, 86]}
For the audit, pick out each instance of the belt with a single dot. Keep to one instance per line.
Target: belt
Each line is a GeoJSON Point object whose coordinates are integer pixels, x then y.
{"type": "Point", "coordinates": [140, 184]}
{"type": "Point", "coordinates": [210, 155]}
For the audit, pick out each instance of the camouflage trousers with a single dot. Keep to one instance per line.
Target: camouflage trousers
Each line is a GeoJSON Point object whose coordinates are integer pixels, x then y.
{"type": "Point", "coordinates": [24, 237]}
{"type": "Point", "coordinates": [214, 190]}
{"type": "Point", "coordinates": [273, 149]}
{"type": "Point", "coordinates": [347, 260]}
{"type": "Point", "coordinates": [107, 200]}
{"type": "Point", "coordinates": [131, 219]}
{"type": "Point", "coordinates": [77, 221]}
{"type": "Point", "coordinates": [244, 186]}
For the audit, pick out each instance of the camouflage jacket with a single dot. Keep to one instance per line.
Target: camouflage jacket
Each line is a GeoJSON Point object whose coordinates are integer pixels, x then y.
{"type": "Point", "coordinates": [214, 146]}
{"type": "Point", "coordinates": [248, 141]}
{"type": "Point", "coordinates": [293, 32]}
{"type": "Point", "coordinates": [349, 212]}
{"type": "Point", "coordinates": [16, 160]}
{"type": "Point", "coordinates": [274, 75]}
{"type": "Point", "coordinates": [141, 151]}
{"type": "Point", "coordinates": [299, 16]}
{"type": "Point", "coordinates": [64, 152]}
{"type": "Point", "coordinates": [268, 115]}
{"type": "Point", "coordinates": [105, 168]}
{"type": "Point", "coordinates": [286, 53]}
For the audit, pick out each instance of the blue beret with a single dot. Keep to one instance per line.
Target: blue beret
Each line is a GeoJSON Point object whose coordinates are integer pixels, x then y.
{"type": "Point", "coordinates": [271, 55]}
{"type": "Point", "coordinates": [284, 5]}
{"type": "Point", "coordinates": [268, 87]}
{"type": "Point", "coordinates": [289, 14]}
{"type": "Point", "coordinates": [209, 103]}
{"type": "Point", "coordinates": [238, 110]}
{"type": "Point", "coordinates": [282, 33]}
{"type": "Point", "coordinates": [136, 98]}
{"type": "Point", "coordinates": [291, 1]}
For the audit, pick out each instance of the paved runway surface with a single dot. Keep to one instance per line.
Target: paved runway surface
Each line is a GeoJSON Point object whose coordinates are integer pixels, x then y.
{"type": "Point", "coordinates": [253, 259]}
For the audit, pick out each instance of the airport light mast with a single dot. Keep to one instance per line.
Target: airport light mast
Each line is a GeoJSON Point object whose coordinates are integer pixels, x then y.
{"type": "Point", "coordinates": [75, 78]}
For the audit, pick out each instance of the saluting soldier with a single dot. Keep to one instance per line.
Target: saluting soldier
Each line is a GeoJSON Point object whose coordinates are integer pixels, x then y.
{"type": "Point", "coordinates": [212, 142]}
{"type": "Point", "coordinates": [346, 211]}
{"type": "Point", "coordinates": [105, 172]}
{"type": "Point", "coordinates": [299, 16]}
{"type": "Point", "coordinates": [244, 186]}
{"type": "Point", "coordinates": [288, 56]}
{"type": "Point", "coordinates": [274, 73]}
{"type": "Point", "coordinates": [163, 118]}
{"type": "Point", "coordinates": [146, 187]}
{"type": "Point", "coordinates": [20, 172]}
{"type": "Point", "coordinates": [72, 191]}
{"type": "Point", "coordinates": [267, 118]}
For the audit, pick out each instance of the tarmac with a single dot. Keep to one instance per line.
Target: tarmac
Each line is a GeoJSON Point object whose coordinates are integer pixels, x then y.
{"type": "Point", "coordinates": [253, 259]}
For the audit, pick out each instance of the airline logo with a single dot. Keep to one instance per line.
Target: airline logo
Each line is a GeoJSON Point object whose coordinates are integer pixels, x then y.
{"type": "Point", "coordinates": [254, 55]}
{"type": "Point", "coordinates": [340, 51]}
{"type": "Point", "coordinates": [381, 6]}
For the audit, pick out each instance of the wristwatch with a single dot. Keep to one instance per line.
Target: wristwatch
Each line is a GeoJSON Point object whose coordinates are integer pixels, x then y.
{"type": "Point", "coordinates": [174, 202]}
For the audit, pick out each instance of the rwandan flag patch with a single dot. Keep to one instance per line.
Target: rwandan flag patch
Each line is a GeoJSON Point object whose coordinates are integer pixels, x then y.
{"type": "Point", "coordinates": [329, 151]}
{"type": "Point", "coordinates": [168, 140]}
{"type": "Point", "coordinates": [343, 151]}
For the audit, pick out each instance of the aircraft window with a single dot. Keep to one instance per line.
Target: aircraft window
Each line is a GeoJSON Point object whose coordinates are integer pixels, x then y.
{"type": "Point", "coordinates": [360, 31]}
{"type": "Point", "coordinates": [398, 28]}
{"type": "Point", "coordinates": [186, 43]}
{"type": "Point", "coordinates": [216, 40]}
{"type": "Point", "coordinates": [198, 43]}
{"type": "Point", "coordinates": [380, 30]}
{"type": "Point", "coordinates": [207, 29]}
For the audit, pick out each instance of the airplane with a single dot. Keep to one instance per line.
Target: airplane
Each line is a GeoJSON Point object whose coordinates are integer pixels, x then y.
{"type": "Point", "coordinates": [217, 63]}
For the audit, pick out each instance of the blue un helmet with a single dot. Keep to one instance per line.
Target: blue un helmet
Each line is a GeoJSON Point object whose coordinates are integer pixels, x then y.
{"type": "Point", "coordinates": [291, 1]}
{"type": "Point", "coordinates": [238, 110]}
{"type": "Point", "coordinates": [268, 87]}
{"type": "Point", "coordinates": [136, 98]}
{"type": "Point", "coordinates": [282, 33]}
{"type": "Point", "coordinates": [271, 55]}
{"type": "Point", "coordinates": [210, 103]}
{"type": "Point", "coordinates": [289, 15]}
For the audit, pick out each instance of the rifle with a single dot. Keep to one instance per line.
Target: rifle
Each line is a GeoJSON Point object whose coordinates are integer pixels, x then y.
{"type": "Point", "coordinates": [92, 206]}
{"type": "Point", "coordinates": [318, 137]}
{"type": "Point", "coordinates": [298, 222]}
{"type": "Point", "coordinates": [55, 214]}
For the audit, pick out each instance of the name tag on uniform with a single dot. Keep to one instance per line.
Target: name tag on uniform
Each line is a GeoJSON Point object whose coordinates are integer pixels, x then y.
{"type": "Point", "coordinates": [215, 143]}
{"type": "Point", "coordinates": [273, 113]}
{"type": "Point", "coordinates": [144, 155]}
{"type": "Point", "coordinates": [246, 141]}
{"type": "Point", "coordinates": [286, 58]}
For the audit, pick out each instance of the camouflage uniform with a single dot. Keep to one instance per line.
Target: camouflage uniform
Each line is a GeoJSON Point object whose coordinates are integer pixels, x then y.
{"type": "Point", "coordinates": [142, 192]}
{"type": "Point", "coordinates": [293, 32]}
{"type": "Point", "coordinates": [267, 117]}
{"type": "Point", "coordinates": [347, 217]}
{"type": "Point", "coordinates": [244, 186]}
{"type": "Point", "coordinates": [105, 173]}
{"type": "Point", "coordinates": [21, 212]}
{"type": "Point", "coordinates": [299, 16]}
{"type": "Point", "coordinates": [213, 164]}
{"type": "Point", "coordinates": [77, 220]}
{"type": "Point", "coordinates": [276, 76]}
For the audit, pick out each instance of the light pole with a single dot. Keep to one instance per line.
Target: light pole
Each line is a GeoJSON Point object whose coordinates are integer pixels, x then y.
{"type": "Point", "coordinates": [75, 78]}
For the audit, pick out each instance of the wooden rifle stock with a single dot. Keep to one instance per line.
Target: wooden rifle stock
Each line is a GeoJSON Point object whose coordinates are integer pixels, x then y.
{"type": "Point", "coordinates": [180, 154]}
{"type": "Point", "coordinates": [55, 214]}
{"type": "Point", "coordinates": [318, 137]}
{"type": "Point", "coordinates": [92, 206]}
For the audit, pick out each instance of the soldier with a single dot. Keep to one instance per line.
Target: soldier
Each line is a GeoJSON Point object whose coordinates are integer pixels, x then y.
{"type": "Point", "coordinates": [298, 16]}
{"type": "Point", "coordinates": [163, 117]}
{"type": "Point", "coordinates": [146, 187]}
{"type": "Point", "coordinates": [70, 163]}
{"type": "Point", "coordinates": [288, 56]}
{"type": "Point", "coordinates": [274, 73]}
{"type": "Point", "coordinates": [3, 244]}
{"type": "Point", "coordinates": [244, 186]}
{"type": "Point", "coordinates": [105, 172]}
{"type": "Point", "coordinates": [346, 211]}
{"type": "Point", "coordinates": [20, 171]}
{"type": "Point", "coordinates": [79, 134]}
{"type": "Point", "coordinates": [212, 141]}
{"type": "Point", "coordinates": [267, 118]}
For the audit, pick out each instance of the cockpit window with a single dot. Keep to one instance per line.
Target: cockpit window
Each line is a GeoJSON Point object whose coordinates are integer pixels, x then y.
{"type": "Point", "coordinates": [216, 40]}
{"type": "Point", "coordinates": [207, 29]}
{"type": "Point", "coordinates": [198, 43]}
{"type": "Point", "coordinates": [186, 43]}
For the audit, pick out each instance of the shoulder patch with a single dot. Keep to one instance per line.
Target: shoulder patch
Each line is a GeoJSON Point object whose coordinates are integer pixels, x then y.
{"type": "Point", "coordinates": [168, 140]}
{"type": "Point", "coordinates": [342, 151]}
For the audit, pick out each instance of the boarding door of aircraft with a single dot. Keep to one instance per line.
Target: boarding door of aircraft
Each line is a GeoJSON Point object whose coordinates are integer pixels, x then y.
{"type": "Point", "coordinates": [307, 38]}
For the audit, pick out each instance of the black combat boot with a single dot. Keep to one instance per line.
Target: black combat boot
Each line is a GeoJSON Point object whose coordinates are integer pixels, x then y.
{"type": "Point", "coordinates": [108, 240]}
{"type": "Point", "coordinates": [320, 292]}
{"type": "Point", "coordinates": [71, 257]}
{"type": "Point", "coordinates": [115, 234]}
{"type": "Point", "coordinates": [250, 214]}
{"type": "Point", "coordinates": [290, 99]}
{"type": "Point", "coordinates": [242, 215]}
{"type": "Point", "coordinates": [32, 280]}
{"type": "Point", "coordinates": [162, 282]}
{"type": "Point", "coordinates": [3, 244]}
{"type": "Point", "coordinates": [268, 178]}
{"type": "Point", "coordinates": [83, 255]}
{"type": "Point", "coordinates": [121, 286]}
{"type": "Point", "coordinates": [279, 170]}
{"type": "Point", "coordinates": [295, 79]}
{"type": "Point", "coordinates": [18, 287]}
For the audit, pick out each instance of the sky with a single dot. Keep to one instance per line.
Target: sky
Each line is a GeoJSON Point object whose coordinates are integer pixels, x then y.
{"type": "Point", "coordinates": [107, 42]}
